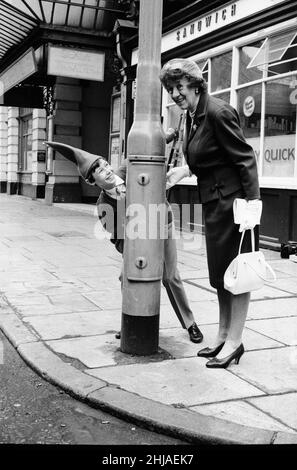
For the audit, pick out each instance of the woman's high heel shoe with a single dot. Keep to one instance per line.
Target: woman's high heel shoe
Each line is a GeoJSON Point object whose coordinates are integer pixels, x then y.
{"type": "Point", "coordinates": [210, 352]}
{"type": "Point", "coordinates": [216, 363]}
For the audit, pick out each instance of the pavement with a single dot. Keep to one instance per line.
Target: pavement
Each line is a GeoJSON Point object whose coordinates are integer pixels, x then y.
{"type": "Point", "coordinates": [60, 306]}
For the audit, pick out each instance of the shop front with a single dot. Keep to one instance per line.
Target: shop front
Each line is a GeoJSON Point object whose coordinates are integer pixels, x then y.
{"type": "Point", "coordinates": [247, 52]}
{"type": "Point", "coordinates": [57, 76]}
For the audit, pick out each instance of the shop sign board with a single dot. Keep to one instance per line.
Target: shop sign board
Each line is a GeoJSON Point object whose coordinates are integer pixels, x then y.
{"type": "Point", "coordinates": [278, 155]}
{"type": "Point", "coordinates": [18, 71]}
{"type": "Point", "coordinates": [212, 21]}
{"type": "Point", "coordinates": [249, 106]}
{"type": "Point", "coordinates": [76, 63]}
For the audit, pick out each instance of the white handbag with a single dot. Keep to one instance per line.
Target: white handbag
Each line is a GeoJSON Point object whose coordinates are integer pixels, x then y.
{"type": "Point", "coordinates": [248, 271]}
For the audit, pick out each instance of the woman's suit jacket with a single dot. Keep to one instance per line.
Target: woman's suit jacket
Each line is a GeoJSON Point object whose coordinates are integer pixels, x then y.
{"type": "Point", "coordinates": [217, 152]}
{"type": "Point", "coordinates": [225, 165]}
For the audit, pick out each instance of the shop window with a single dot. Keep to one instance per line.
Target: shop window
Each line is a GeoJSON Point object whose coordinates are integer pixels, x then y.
{"type": "Point", "coordinates": [203, 65]}
{"type": "Point", "coordinates": [174, 113]}
{"type": "Point", "coordinates": [277, 54]}
{"type": "Point", "coordinates": [249, 110]}
{"type": "Point", "coordinates": [114, 144]}
{"type": "Point", "coordinates": [225, 95]}
{"type": "Point", "coordinates": [221, 72]}
{"type": "Point", "coordinates": [246, 55]}
{"type": "Point", "coordinates": [280, 127]}
{"type": "Point", "coordinates": [25, 143]}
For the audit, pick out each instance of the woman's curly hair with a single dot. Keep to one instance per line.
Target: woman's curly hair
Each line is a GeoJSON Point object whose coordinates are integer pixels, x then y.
{"type": "Point", "coordinates": [176, 69]}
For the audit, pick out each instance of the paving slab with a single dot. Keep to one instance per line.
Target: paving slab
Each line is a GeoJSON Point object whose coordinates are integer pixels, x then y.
{"type": "Point", "coordinates": [285, 266]}
{"type": "Point", "coordinates": [92, 351]}
{"type": "Point", "coordinates": [284, 330]}
{"type": "Point", "coordinates": [28, 299]}
{"type": "Point", "coordinates": [204, 283]}
{"type": "Point", "coordinates": [266, 292]}
{"type": "Point", "coordinates": [282, 438]}
{"type": "Point", "coordinates": [75, 324]}
{"type": "Point", "coordinates": [13, 327]}
{"type": "Point", "coordinates": [94, 283]}
{"type": "Point", "coordinates": [74, 303]}
{"type": "Point", "coordinates": [180, 423]}
{"type": "Point", "coordinates": [271, 370]}
{"type": "Point", "coordinates": [110, 270]}
{"type": "Point", "coordinates": [69, 260]}
{"type": "Point", "coordinates": [57, 287]}
{"type": "Point", "coordinates": [32, 310]}
{"type": "Point", "coordinates": [269, 292]}
{"type": "Point", "coordinates": [282, 407]}
{"type": "Point", "coordinates": [280, 274]}
{"type": "Point", "coordinates": [17, 261]}
{"type": "Point", "coordinates": [157, 381]}
{"type": "Point", "coordinates": [57, 371]}
{"type": "Point", "coordinates": [196, 294]}
{"type": "Point", "coordinates": [275, 308]}
{"type": "Point", "coordinates": [204, 313]}
{"type": "Point", "coordinates": [185, 273]}
{"type": "Point", "coordinates": [177, 343]}
{"type": "Point", "coordinates": [104, 300]}
{"type": "Point", "coordinates": [241, 412]}
{"type": "Point", "coordinates": [287, 285]}
{"type": "Point", "coordinates": [27, 274]}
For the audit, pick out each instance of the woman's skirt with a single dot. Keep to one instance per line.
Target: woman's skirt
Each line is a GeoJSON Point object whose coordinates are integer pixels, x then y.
{"type": "Point", "coordinates": [223, 237]}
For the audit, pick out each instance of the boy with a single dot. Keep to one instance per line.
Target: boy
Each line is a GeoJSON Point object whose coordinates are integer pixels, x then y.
{"type": "Point", "coordinates": [97, 171]}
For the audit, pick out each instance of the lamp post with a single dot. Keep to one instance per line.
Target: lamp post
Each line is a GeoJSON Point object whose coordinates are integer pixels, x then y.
{"type": "Point", "coordinates": [143, 254]}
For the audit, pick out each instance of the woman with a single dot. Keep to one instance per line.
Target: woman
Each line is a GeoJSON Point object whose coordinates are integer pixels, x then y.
{"type": "Point", "coordinates": [217, 153]}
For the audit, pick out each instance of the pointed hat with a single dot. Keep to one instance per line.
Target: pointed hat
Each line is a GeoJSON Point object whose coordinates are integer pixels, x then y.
{"type": "Point", "coordinates": [84, 160]}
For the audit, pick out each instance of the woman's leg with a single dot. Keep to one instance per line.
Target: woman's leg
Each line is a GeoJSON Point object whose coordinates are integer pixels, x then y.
{"type": "Point", "coordinates": [239, 309]}
{"type": "Point", "coordinates": [224, 298]}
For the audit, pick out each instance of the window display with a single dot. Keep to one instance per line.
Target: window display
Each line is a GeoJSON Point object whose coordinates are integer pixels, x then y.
{"type": "Point", "coordinates": [221, 72]}
{"type": "Point", "coordinates": [25, 156]}
{"type": "Point", "coordinates": [280, 128]}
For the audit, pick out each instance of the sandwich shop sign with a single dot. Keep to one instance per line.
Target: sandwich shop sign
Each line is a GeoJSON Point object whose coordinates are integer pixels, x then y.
{"type": "Point", "coordinates": [212, 21]}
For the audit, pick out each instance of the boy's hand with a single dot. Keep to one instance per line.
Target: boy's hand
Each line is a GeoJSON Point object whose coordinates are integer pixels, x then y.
{"type": "Point", "coordinates": [171, 134]}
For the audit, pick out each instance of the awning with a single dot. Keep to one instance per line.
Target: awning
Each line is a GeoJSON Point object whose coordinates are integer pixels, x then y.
{"type": "Point", "coordinates": [18, 18]}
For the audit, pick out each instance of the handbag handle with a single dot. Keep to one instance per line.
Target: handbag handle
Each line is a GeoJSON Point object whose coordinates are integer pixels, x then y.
{"type": "Point", "coordinates": [253, 249]}
{"type": "Point", "coordinates": [271, 272]}
{"type": "Point", "coordinates": [252, 237]}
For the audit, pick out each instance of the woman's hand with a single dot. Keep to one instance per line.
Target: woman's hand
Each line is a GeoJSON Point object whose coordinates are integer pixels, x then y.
{"type": "Point", "coordinates": [174, 175]}
{"type": "Point", "coordinates": [251, 215]}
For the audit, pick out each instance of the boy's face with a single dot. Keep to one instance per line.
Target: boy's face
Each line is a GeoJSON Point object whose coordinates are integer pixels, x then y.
{"type": "Point", "coordinates": [104, 176]}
